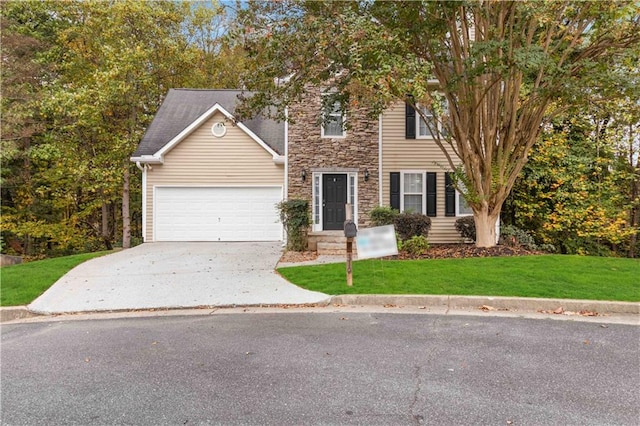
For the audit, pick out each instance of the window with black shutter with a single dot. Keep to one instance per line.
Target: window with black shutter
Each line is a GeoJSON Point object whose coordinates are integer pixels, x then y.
{"type": "Point", "coordinates": [431, 194]}
{"type": "Point", "coordinates": [395, 190]}
{"type": "Point", "coordinates": [449, 196]}
{"type": "Point", "coordinates": [410, 122]}
{"type": "Point", "coordinates": [414, 201]}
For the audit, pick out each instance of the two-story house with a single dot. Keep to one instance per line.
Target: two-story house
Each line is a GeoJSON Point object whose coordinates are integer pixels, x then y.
{"type": "Point", "coordinates": [207, 177]}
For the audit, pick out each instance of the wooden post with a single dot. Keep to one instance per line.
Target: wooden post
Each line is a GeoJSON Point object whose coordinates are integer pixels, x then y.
{"type": "Point", "coordinates": [349, 216]}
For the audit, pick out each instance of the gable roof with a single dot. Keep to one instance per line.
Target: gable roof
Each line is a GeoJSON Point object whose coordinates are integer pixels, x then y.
{"type": "Point", "coordinates": [182, 107]}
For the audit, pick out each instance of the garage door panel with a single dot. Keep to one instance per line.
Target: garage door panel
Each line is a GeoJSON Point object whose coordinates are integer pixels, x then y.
{"type": "Point", "coordinates": [217, 214]}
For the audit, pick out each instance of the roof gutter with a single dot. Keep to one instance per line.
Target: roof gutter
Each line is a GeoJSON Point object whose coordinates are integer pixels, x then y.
{"type": "Point", "coordinates": [147, 159]}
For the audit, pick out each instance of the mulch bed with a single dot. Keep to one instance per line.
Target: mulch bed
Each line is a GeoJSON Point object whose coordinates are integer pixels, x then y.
{"type": "Point", "coordinates": [436, 251]}
{"type": "Point", "coordinates": [298, 256]}
{"type": "Point", "coordinates": [457, 251]}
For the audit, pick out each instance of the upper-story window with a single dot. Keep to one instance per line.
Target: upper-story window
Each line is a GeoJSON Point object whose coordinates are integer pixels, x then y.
{"type": "Point", "coordinates": [424, 130]}
{"type": "Point", "coordinates": [332, 120]}
{"type": "Point", "coordinates": [427, 131]}
{"type": "Point", "coordinates": [424, 122]}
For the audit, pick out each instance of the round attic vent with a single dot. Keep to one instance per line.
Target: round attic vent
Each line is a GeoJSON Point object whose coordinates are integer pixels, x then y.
{"type": "Point", "coordinates": [219, 129]}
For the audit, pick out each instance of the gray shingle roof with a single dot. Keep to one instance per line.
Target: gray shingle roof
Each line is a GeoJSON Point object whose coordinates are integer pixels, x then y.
{"type": "Point", "coordinates": [181, 107]}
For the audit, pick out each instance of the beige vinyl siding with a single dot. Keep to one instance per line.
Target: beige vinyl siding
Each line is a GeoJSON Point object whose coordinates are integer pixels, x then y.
{"type": "Point", "coordinates": [202, 159]}
{"type": "Point", "coordinates": [400, 154]}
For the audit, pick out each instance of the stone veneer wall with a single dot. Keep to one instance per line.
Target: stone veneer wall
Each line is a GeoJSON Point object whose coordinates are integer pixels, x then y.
{"type": "Point", "coordinates": [308, 151]}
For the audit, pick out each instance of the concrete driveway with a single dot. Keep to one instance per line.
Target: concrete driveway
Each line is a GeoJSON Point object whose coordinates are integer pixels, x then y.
{"type": "Point", "coordinates": [175, 275]}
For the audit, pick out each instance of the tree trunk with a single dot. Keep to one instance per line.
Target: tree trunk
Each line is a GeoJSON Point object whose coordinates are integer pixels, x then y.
{"type": "Point", "coordinates": [126, 219]}
{"type": "Point", "coordinates": [106, 234]}
{"type": "Point", "coordinates": [486, 227]}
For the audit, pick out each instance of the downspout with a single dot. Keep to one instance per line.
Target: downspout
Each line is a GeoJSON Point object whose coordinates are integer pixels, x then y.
{"type": "Point", "coordinates": [380, 160]}
{"type": "Point", "coordinates": [144, 199]}
{"type": "Point", "coordinates": [286, 153]}
{"type": "Point", "coordinates": [286, 168]}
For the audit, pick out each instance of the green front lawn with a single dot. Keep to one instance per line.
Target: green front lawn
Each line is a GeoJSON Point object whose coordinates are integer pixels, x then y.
{"type": "Point", "coordinates": [551, 276]}
{"type": "Point", "coordinates": [21, 284]}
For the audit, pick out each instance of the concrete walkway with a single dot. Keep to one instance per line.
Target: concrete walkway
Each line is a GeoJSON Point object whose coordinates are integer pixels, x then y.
{"type": "Point", "coordinates": [175, 275]}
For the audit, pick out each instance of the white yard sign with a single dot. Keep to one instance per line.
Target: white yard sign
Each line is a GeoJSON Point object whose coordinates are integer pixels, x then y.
{"type": "Point", "coordinates": [376, 242]}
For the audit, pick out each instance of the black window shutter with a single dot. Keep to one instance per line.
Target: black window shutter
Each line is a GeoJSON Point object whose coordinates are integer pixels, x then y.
{"type": "Point", "coordinates": [410, 122]}
{"type": "Point", "coordinates": [431, 194]}
{"type": "Point", "coordinates": [395, 190]}
{"type": "Point", "coordinates": [449, 196]}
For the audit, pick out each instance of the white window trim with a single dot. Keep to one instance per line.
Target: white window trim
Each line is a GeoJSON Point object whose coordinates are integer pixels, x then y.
{"type": "Point", "coordinates": [424, 188]}
{"type": "Point", "coordinates": [322, 125]}
{"type": "Point", "coordinates": [459, 199]}
{"type": "Point", "coordinates": [419, 119]}
{"type": "Point", "coordinates": [316, 205]}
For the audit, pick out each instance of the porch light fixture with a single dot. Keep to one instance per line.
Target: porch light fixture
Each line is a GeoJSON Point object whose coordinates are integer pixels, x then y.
{"type": "Point", "coordinates": [304, 175]}
{"type": "Point", "coordinates": [366, 175]}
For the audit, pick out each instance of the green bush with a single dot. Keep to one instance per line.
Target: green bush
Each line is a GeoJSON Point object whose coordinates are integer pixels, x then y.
{"type": "Point", "coordinates": [412, 224]}
{"type": "Point", "coordinates": [584, 246]}
{"type": "Point", "coordinates": [513, 236]}
{"type": "Point", "coordinates": [549, 248]}
{"type": "Point", "coordinates": [383, 215]}
{"type": "Point", "coordinates": [466, 227]}
{"type": "Point", "coordinates": [295, 218]}
{"type": "Point", "coordinates": [415, 246]}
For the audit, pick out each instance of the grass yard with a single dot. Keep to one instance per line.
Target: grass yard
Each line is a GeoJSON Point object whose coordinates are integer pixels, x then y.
{"type": "Point", "coordinates": [548, 276]}
{"type": "Point", "coordinates": [22, 284]}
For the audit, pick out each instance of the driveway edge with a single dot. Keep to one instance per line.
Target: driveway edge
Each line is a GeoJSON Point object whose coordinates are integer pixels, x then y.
{"type": "Point", "coordinates": [12, 313]}
{"type": "Point", "coordinates": [498, 303]}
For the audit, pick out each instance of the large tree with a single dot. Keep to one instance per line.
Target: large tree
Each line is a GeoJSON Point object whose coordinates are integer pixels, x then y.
{"type": "Point", "coordinates": [489, 69]}
{"type": "Point", "coordinates": [81, 81]}
{"type": "Point", "coordinates": [580, 190]}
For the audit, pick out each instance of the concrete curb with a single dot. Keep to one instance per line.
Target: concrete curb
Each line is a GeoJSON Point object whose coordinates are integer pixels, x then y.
{"type": "Point", "coordinates": [12, 313]}
{"type": "Point", "coordinates": [475, 302]}
{"type": "Point", "coordinates": [446, 303]}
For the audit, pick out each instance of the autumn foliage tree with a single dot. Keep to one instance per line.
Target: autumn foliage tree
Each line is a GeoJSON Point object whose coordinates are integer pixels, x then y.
{"type": "Point", "coordinates": [579, 190]}
{"type": "Point", "coordinates": [80, 82]}
{"type": "Point", "coordinates": [489, 69]}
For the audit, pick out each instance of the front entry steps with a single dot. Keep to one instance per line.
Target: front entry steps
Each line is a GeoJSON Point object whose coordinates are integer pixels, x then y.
{"type": "Point", "coordinates": [329, 243]}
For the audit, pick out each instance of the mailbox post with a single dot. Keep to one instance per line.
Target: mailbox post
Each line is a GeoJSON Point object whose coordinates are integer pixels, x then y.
{"type": "Point", "coordinates": [350, 231]}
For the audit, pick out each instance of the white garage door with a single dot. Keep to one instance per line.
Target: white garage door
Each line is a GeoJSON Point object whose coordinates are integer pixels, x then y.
{"type": "Point", "coordinates": [217, 214]}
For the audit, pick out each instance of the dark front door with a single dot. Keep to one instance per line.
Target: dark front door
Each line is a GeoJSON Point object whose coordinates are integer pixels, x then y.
{"type": "Point", "coordinates": [334, 198]}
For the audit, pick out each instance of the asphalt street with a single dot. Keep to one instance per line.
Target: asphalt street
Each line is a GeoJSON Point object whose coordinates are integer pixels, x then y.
{"type": "Point", "coordinates": [320, 368]}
